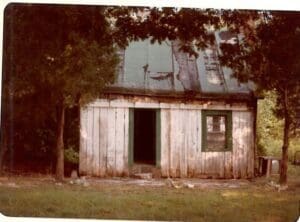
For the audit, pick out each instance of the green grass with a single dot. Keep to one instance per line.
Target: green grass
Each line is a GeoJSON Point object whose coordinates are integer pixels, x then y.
{"type": "Point", "coordinates": [256, 203]}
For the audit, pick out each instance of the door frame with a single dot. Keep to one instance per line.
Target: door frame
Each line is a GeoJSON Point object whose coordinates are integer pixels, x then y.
{"type": "Point", "coordinates": [157, 137]}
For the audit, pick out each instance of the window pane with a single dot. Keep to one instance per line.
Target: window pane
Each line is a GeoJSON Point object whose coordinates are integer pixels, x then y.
{"type": "Point", "coordinates": [216, 135]}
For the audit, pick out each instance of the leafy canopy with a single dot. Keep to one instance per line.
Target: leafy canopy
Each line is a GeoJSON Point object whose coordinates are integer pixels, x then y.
{"type": "Point", "coordinates": [268, 54]}
{"type": "Point", "coordinates": [191, 26]}
{"type": "Point", "coordinates": [64, 53]}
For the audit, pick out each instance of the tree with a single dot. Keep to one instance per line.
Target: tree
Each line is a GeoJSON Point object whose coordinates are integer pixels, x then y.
{"type": "Point", "coordinates": [60, 56]}
{"type": "Point", "coordinates": [190, 26]}
{"type": "Point", "coordinates": [269, 126]}
{"type": "Point", "coordinates": [267, 53]}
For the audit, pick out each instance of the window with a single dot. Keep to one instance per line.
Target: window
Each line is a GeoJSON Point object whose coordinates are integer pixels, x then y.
{"type": "Point", "coordinates": [216, 130]}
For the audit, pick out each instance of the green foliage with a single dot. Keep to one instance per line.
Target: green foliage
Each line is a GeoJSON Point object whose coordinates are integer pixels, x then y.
{"type": "Point", "coordinates": [190, 25]}
{"type": "Point", "coordinates": [267, 54]}
{"type": "Point", "coordinates": [294, 147]}
{"type": "Point", "coordinates": [71, 155]}
{"type": "Point", "coordinates": [270, 129]}
{"type": "Point", "coordinates": [67, 58]}
{"type": "Point", "coordinates": [71, 136]}
{"type": "Point", "coordinates": [54, 56]}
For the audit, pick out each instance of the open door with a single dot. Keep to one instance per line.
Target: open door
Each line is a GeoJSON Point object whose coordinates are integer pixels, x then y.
{"type": "Point", "coordinates": [144, 141]}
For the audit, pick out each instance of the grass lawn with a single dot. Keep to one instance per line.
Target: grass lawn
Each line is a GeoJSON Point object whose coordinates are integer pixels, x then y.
{"type": "Point", "coordinates": [257, 201]}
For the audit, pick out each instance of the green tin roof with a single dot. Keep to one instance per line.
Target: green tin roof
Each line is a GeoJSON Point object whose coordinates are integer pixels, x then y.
{"type": "Point", "coordinates": [155, 67]}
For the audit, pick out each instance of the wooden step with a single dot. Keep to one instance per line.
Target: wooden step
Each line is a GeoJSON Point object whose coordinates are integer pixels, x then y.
{"type": "Point", "coordinates": [144, 176]}
{"type": "Point", "coordinates": [143, 169]}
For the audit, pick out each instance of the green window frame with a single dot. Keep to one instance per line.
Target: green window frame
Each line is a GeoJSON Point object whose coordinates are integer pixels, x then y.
{"type": "Point", "coordinates": [228, 129]}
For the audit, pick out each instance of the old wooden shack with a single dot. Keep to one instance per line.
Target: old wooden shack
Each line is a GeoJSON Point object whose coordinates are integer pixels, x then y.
{"type": "Point", "coordinates": [172, 114]}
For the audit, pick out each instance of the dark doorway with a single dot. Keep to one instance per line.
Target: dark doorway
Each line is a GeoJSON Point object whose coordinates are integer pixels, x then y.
{"type": "Point", "coordinates": [144, 136]}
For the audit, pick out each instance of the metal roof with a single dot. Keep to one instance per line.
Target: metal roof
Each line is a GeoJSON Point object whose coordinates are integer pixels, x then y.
{"type": "Point", "coordinates": [163, 68]}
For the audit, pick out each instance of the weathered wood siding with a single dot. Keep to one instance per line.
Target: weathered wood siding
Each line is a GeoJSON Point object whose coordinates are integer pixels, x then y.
{"type": "Point", "coordinates": [182, 154]}
{"type": "Point", "coordinates": [104, 140]}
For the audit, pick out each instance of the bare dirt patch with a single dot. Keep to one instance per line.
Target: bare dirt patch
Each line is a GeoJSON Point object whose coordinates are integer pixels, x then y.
{"type": "Point", "coordinates": [36, 180]}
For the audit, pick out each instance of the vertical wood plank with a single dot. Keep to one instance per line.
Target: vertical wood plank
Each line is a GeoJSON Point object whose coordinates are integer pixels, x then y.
{"type": "Point", "coordinates": [184, 115]}
{"type": "Point", "coordinates": [83, 141]}
{"type": "Point", "coordinates": [197, 139]}
{"type": "Point", "coordinates": [111, 146]}
{"type": "Point", "coordinates": [165, 134]}
{"type": "Point", "coordinates": [131, 137]}
{"type": "Point", "coordinates": [251, 145]}
{"type": "Point", "coordinates": [239, 147]}
{"type": "Point", "coordinates": [208, 163]}
{"type": "Point", "coordinates": [96, 150]}
{"type": "Point", "coordinates": [221, 166]}
{"type": "Point", "coordinates": [103, 134]}
{"type": "Point", "coordinates": [188, 141]}
{"type": "Point", "coordinates": [172, 171]}
{"type": "Point", "coordinates": [248, 145]}
{"type": "Point", "coordinates": [174, 151]}
{"type": "Point", "coordinates": [176, 124]}
{"type": "Point", "coordinates": [228, 165]}
{"type": "Point", "coordinates": [235, 141]}
{"type": "Point", "coordinates": [217, 161]}
{"type": "Point", "coordinates": [179, 143]}
{"type": "Point", "coordinates": [243, 141]}
{"type": "Point", "coordinates": [89, 152]}
{"type": "Point", "coordinates": [119, 141]}
{"type": "Point", "coordinates": [203, 155]}
{"type": "Point", "coordinates": [126, 140]}
{"type": "Point", "coordinates": [169, 151]}
{"type": "Point", "coordinates": [200, 155]}
{"type": "Point", "coordinates": [191, 143]}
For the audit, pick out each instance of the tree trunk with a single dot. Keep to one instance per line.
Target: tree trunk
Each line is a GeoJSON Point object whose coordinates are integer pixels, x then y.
{"type": "Point", "coordinates": [284, 159]}
{"type": "Point", "coordinates": [59, 173]}
{"type": "Point", "coordinates": [5, 130]}
{"type": "Point", "coordinates": [3, 151]}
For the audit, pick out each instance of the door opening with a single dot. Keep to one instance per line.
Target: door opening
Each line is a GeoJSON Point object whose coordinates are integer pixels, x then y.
{"type": "Point", "coordinates": [144, 148]}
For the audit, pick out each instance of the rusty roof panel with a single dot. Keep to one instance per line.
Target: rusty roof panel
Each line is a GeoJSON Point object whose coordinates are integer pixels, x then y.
{"type": "Point", "coordinates": [161, 67]}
